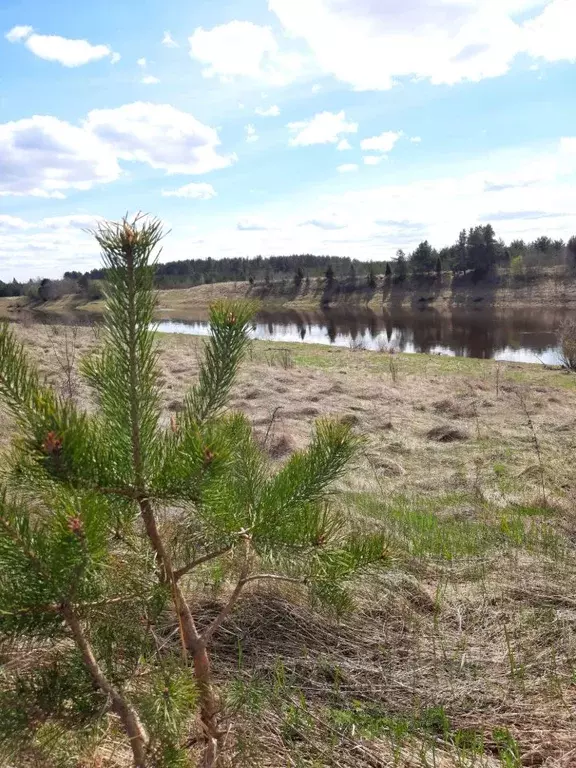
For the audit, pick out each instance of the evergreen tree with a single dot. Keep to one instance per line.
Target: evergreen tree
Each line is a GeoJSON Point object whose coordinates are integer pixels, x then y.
{"type": "Point", "coordinates": [387, 270]}
{"type": "Point", "coordinates": [107, 516]}
{"type": "Point", "coordinates": [329, 275]}
{"type": "Point", "coordinates": [571, 247]}
{"type": "Point", "coordinates": [438, 267]}
{"type": "Point", "coordinates": [423, 259]}
{"type": "Point", "coordinates": [401, 267]}
{"type": "Point", "coordinates": [371, 279]}
{"type": "Point", "coordinates": [460, 257]}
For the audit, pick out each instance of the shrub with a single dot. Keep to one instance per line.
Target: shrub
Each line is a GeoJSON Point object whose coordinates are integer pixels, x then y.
{"type": "Point", "coordinates": [568, 344]}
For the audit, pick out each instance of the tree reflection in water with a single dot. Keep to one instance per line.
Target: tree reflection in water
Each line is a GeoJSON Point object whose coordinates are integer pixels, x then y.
{"type": "Point", "coordinates": [517, 334]}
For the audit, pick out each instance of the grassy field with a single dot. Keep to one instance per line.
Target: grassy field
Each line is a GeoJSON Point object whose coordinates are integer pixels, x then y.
{"type": "Point", "coordinates": [463, 654]}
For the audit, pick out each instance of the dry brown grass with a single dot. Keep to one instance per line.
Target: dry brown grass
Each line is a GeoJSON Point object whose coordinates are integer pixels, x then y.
{"type": "Point", "coordinates": [472, 634]}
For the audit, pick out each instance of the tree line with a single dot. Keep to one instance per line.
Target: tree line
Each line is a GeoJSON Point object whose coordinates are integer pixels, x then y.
{"type": "Point", "coordinates": [477, 251]}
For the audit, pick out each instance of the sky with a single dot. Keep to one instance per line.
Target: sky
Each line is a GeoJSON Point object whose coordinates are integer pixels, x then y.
{"type": "Point", "coordinates": [342, 127]}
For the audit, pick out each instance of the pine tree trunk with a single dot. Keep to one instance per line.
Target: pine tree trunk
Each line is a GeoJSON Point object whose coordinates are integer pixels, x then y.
{"type": "Point", "coordinates": [134, 729]}
{"type": "Point", "coordinates": [192, 642]}
{"type": "Point", "coordinates": [208, 707]}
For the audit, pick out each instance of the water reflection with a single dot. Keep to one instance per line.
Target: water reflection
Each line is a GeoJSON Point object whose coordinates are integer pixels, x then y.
{"type": "Point", "coordinates": [523, 335]}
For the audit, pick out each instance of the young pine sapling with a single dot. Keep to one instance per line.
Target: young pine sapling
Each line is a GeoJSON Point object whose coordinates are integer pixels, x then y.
{"type": "Point", "coordinates": [107, 515]}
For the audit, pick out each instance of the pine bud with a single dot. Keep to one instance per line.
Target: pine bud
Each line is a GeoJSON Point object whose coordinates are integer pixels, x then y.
{"type": "Point", "coordinates": [75, 526]}
{"type": "Point", "coordinates": [52, 445]}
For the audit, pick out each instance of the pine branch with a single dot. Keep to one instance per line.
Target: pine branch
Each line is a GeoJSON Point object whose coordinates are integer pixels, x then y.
{"type": "Point", "coordinates": [223, 353]}
{"type": "Point", "coordinates": [209, 632]}
{"type": "Point", "coordinates": [180, 572]}
{"type": "Point", "coordinates": [135, 730]}
{"type": "Point", "coordinates": [274, 577]}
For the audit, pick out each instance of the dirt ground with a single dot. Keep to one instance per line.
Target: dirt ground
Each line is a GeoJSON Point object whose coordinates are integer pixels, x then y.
{"type": "Point", "coordinates": [464, 653]}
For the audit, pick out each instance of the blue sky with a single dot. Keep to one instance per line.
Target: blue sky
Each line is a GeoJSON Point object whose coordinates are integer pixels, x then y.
{"type": "Point", "coordinates": [347, 127]}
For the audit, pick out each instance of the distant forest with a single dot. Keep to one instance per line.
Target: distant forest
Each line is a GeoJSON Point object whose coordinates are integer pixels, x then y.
{"type": "Point", "coordinates": [477, 251]}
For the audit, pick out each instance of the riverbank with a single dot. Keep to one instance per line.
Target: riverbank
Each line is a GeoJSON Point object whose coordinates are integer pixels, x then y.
{"type": "Point", "coordinates": [462, 653]}
{"type": "Point", "coordinates": [550, 289]}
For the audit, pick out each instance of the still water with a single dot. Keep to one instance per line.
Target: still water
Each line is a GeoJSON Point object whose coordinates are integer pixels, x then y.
{"type": "Point", "coordinates": [521, 335]}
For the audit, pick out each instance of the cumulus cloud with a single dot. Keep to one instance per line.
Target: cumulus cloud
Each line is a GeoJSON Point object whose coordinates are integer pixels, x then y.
{"type": "Point", "coordinates": [243, 49]}
{"type": "Point", "coordinates": [416, 139]}
{"type": "Point", "coordinates": [68, 52]}
{"type": "Point", "coordinates": [159, 135]}
{"type": "Point", "coordinates": [150, 80]}
{"type": "Point", "coordinates": [200, 191]}
{"type": "Point", "coordinates": [17, 34]}
{"type": "Point", "coordinates": [323, 128]}
{"type": "Point", "coordinates": [343, 145]}
{"type": "Point", "coordinates": [43, 156]}
{"type": "Point", "coordinates": [550, 35]}
{"type": "Point", "coordinates": [169, 41]}
{"type": "Point", "coordinates": [370, 44]}
{"type": "Point", "coordinates": [347, 168]}
{"type": "Point", "coordinates": [12, 223]}
{"type": "Point", "coordinates": [273, 111]}
{"type": "Point", "coordinates": [142, 62]}
{"type": "Point", "coordinates": [383, 143]}
{"type": "Point", "coordinates": [251, 135]}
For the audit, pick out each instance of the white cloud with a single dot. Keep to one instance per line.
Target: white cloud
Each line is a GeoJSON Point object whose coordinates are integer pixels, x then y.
{"type": "Point", "coordinates": [252, 225]}
{"type": "Point", "coordinates": [75, 221]}
{"type": "Point", "coordinates": [383, 143]}
{"type": "Point", "coordinates": [316, 88]}
{"type": "Point", "coordinates": [46, 247]}
{"type": "Point", "coordinates": [374, 159]}
{"type": "Point", "coordinates": [169, 41]}
{"type": "Point", "coordinates": [12, 223]}
{"type": "Point", "coordinates": [568, 144]}
{"type": "Point", "coordinates": [115, 58]}
{"type": "Point", "coordinates": [273, 111]}
{"type": "Point", "coordinates": [43, 156]}
{"type": "Point", "coordinates": [17, 34]}
{"type": "Point", "coordinates": [343, 145]}
{"type": "Point", "coordinates": [416, 139]}
{"type": "Point", "coordinates": [196, 191]}
{"type": "Point", "coordinates": [370, 44]}
{"type": "Point", "coordinates": [68, 52]}
{"type": "Point", "coordinates": [330, 223]}
{"type": "Point", "coordinates": [149, 80]}
{"type": "Point", "coordinates": [251, 135]}
{"type": "Point", "coordinates": [323, 128]}
{"type": "Point", "coordinates": [142, 62]}
{"type": "Point", "coordinates": [161, 136]}
{"type": "Point", "coordinates": [550, 35]}
{"type": "Point", "coordinates": [347, 168]}
{"type": "Point", "coordinates": [243, 49]}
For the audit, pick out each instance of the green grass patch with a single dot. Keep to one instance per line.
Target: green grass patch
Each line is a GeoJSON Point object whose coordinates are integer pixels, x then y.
{"type": "Point", "coordinates": [449, 527]}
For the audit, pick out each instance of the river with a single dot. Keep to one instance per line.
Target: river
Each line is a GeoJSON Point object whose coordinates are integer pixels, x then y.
{"type": "Point", "coordinates": [520, 335]}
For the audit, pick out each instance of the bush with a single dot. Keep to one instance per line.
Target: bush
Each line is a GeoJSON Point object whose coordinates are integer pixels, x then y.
{"type": "Point", "coordinates": [568, 344]}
